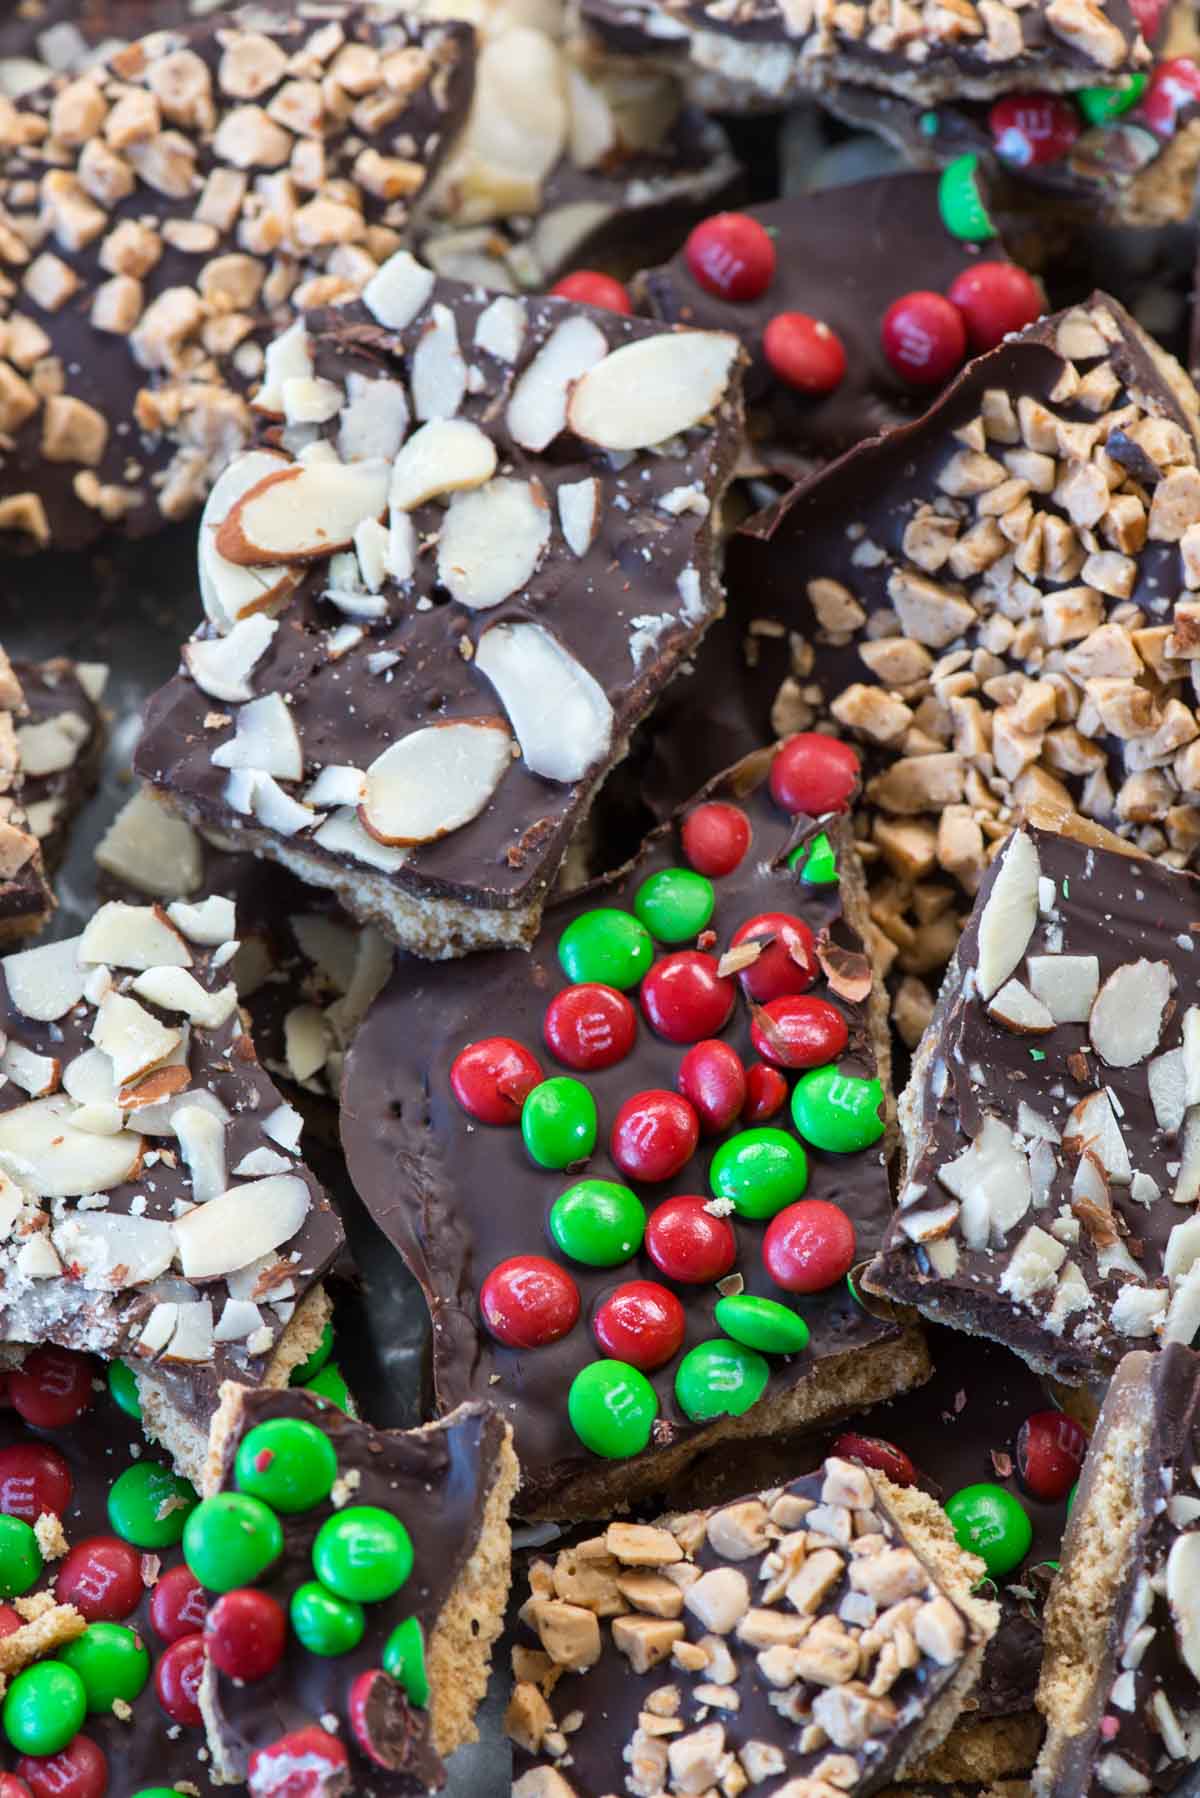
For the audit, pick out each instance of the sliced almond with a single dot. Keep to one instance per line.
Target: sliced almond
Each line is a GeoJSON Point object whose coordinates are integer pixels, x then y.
{"type": "Point", "coordinates": [1183, 1249]}
{"type": "Point", "coordinates": [202, 1145]}
{"type": "Point", "coordinates": [653, 389]}
{"type": "Point", "coordinates": [1183, 1597]}
{"type": "Point", "coordinates": [332, 948]}
{"type": "Point", "coordinates": [277, 809]}
{"type": "Point", "coordinates": [1092, 1128]}
{"type": "Point", "coordinates": [1182, 1322]}
{"type": "Point", "coordinates": [1187, 1181]}
{"type": "Point", "coordinates": [1190, 1048]}
{"type": "Point", "coordinates": [1167, 1081]}
{"type": "Point", "coordinates": [288, 358]}
{"type": "Point", "coordinates": [537, 411]}
{"type": "Point", "coordinates": [47, 1156]}
{"type": "Point", "coordinates": [434, 780]}
{"type": "Point", "coordinates": [374, 419]}
{"type": "Point", "coordinates": [398, 291]}
{"type": "Point", "coordinates": [438, 374]}
{"type": "Point", "coordinates": [239, 1319]}
{"type": "Point", "coordinates": [240, 1225]}
{"type": "Point", "coordinates": [303, 513]}
{"type": "Point", "coordinates": [991, 1180]}
{"type": "Point", "coordinates": [1016, 1008]}
{"type": "Point", "coordinates": [154, 851]}
{"type": "Point", "coordinates": [154, 1088]}
{"type": "Point", "coordinates": [306, 1041]}
{"type": "Point", "coordinates": [444, 456]}
{"type": "Point", "coordinates": [192, 1337]}
{"type": "Point", "coordinates": [1009, 915]}
{"type": "Point", "coordinates": [492, 541]}
{"type": "Point", "coordinates": [500, 329]}
{"type": "Point", "coordinates": [211, 922]}
{"type": "Point", "coordinates": [88, 1078]}
{"type": "Point", "coordinates": [174, 989]}
{"type": "Point", "coordinates": [579, 513]}
{"type": "Point", "coordinates": [109, 1251]}
{"type": "Point", "coordinates": [1138, 1310]}
{"type": "Point", "coordinates": [265, 739]}
{"type": "Point", "coordinates": [336, 784]}
{"type": "Point", "coordinates": [221, 666]}
{"type": "Point", "coordinates": [1033, 1264]}
{"type": "Point", "coordinates": [133, 936]}
{"type": "Point", "coordinates": [561, 715]}
{"type": "Point", "coordinates": [343, 834]}
{"type": "Point", "coordinates": [1127, 1017]}
{"type": "Point", "coordinates": [1065, 984]}
{"type": "Point", "coordinates": [37, 1075]}
{"type": "Point", "coordinates": [132, 1037]}
{"type": "Point", "coordinates": [44, 983]}
{"type": "Point", "coordinates": [228, 592]}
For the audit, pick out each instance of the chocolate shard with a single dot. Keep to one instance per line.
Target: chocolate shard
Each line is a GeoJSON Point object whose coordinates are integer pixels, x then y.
{"type": "Point", "coordinates": [26, 901]}
{"type": "Point", "coordinates": [61, 742]}
{"type": "Point", "coordinates": [1123, 1622]}
{"type": "Point", "coordinates": [459, 1197]}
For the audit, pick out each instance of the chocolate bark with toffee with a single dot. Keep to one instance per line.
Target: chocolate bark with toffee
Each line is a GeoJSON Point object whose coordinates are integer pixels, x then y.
{"type": "Point", "coordinates": [26, 902]}
{"type": "Point", "coordinates": [421, 1517]}
{"type": "Point", "coordinates": [1122, 1665]}
{"type": "Point", "coordinates": [422, 732]}
{"type": "Point", "coordinates": [166, 210]}
{"type": "Point", "coordinates": [61, 742]}
{"type": "Point", "coordinates": [629, 1225]}
{"type": "Point", "coordinates": [995, 603]}
{"type": "Point", "coordinates": [1051, 1125]}
{"type": "Point", "coordinates": [819, 1636]}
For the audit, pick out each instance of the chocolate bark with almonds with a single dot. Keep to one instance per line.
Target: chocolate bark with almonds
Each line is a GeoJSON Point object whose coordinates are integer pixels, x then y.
{"type": "Point", "coordinates": [1052, 1122]}
{"type": "Point", "coordinates": [165, 212]}
{"type": "Point", "coordinates": [61, 742]}
{"type": "Point", "coordinates": [447, 716]}
{"type": "Point", "coordinates": [458, 1199]}
{"type": "Point", "coordinates": [449, 1485]}
{"type": "Point", "coordinates": [819, 1636]}
{"type": "Point", "coordinates": [1122, 1667]}
{"type": "Point", "coordinates": [25, 900]}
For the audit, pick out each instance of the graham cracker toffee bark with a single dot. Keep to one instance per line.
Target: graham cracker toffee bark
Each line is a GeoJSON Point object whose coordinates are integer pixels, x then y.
{"type": "Point", "coordinates": [422, 732]}
{"type": "Point", "coordinates": [61, 741]}
{"type": "Point", "coordinates": [811, 1639]}
{"type": "Point", "coordinates": [1051, 1122]}
{"type": "Point", "coordinates": [1119, 1684]}
{"type": "Point", "coordinates": [995, 603]}
{"type": "Point", "coordinates": [374, 1565]}
{"type": "Point", "coordinates": [163, 212]}
{"type": "Point", "coordinates": [622, 1241]}
{"type": "Point", "coordinates": [25, 900]}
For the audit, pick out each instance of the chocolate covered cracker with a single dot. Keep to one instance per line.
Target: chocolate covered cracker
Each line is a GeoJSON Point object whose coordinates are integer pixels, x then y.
{"type": "Point", "coordinates": [163, 213]}
{"type": "Point", "coordinates": [61, 741]}
{"type": "Point", "coordinates": [415, 715]}
{"type": "Point", "coordinates": [816, 1637]}
{"type": "Point", "coordinates": [25, 900]}
{"type": "Point", "coordinates": [1051, 1122]}
{"type": "Point", "coordinates": [1122, 1672]}
{"type": "Point", "coordinates": [419, 1517]}
{"type": "Point", "coordinates": [524, 1137]}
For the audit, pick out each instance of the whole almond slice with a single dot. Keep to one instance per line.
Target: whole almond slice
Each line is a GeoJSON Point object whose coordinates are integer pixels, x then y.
{"type": "Point", "coordinates": [227, 592]}
{"type": "Point", "coordinates": [47, 1156]}
{"type": "Point", "coordinates": [303, 513]}
{"type": "Point", "coordinates": [645, 392]}
{"type": "Point", "coordinates": [537, 411]}
{"type": "Point", "coordinates": [560, 713]}
{"type": "Point", "coordinates": [434, 780]}
{"type": "Point", "coordinates": [221, 666]}
{"type": "Point", "coordinates": [443, 456]}
{"type": "Point", "coordinates": [1127, 1017]}
{"type": "Point", "coordinates": [1009, 914]}
{"type": "Point", "coordinates": [240, 1225]}
{"type": "Point", "coordinates": [492, 541]}
{"type": "Point", "coordinates": [132, 936]}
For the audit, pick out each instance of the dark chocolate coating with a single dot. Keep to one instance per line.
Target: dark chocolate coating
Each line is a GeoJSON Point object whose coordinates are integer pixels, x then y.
{"type": "Point", "coordinates": [458, 1197]}
{"type": "Point", "coordinates": [436, 1481]}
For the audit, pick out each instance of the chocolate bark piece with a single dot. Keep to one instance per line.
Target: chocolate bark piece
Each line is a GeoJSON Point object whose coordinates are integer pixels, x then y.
{"type": "Point", "coordinates": [166, 211]}
{"type": "Point", "coordinates": [1050, 1123]}
{"type": "Point", "coordinates": [458, 1198]}
{"type": "Point", "coordinates": [26, 902]}
{"type": "Point", "coordinates": [984, 600]}
{"type": "Point", "coordinates": [840, 257]}
{"type": "Point", "coordinates": [448, 716]}
{"type": "Point", "coordinates": [1119, 1683]}
{"type": "Point", "coordinates": [61, 742]}
{"type": "Point", "coordinates": [750, 1636]}
{"type": "Point", "coordinates": [155, 1203]}
{"type": "Point", "coordinates": [771, 52]}
{"type": "Point", "coordinates": [450, 1485]}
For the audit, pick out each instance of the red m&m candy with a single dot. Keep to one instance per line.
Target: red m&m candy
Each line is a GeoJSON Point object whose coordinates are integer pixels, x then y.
{"type": "Point", "coordinates": [52, 1388]}
{"type": "Point", "coordinates": [529, 1301]}
{"type": "Point", "coordinates": [9, 1621]}
{"type": "Point", "coordinates": [641, 1323]}
{"type": "Point", "coordinates": [713, 1080]}
{"type": "Point", "coordinates": [688, 1243]}
{"type": "Point", "coordinates": [787, 962]}
{"type": "Point", "coordinates": [1173, 86]}
{"type": "Point", "coordinates": [373, 1685]}
{"type": "Point", "coordinates": [809, 1246]}
{"type": "Point", "coordinates": [303, 1764]}
{"type": "Point", "coordinates": [492, 1078]}
{"type": "Point", "coordinates": [102, 1578]}
{"type": "Point", "coordinates": [590, 1026]}
{"type": "Point", "coordinates": [34, 1478]}
{"type": "Point", "coordinates": [80, 1770]}
{"type": "Point", "coordinates": [731, 255]}
{"type": "Point", "coordinates": [684, 998]}
{"type": "Point", "coordinates": [715, 837]}
{"type": "Point", "coordinates": [588, 287]}
{"type": "Point", "coordinates": [799, 1031]}
{"type": "Point", "coordinates": [1050, 1450]}
{"type": "Point", "coordinates": [804, 352]}
{"type": "Point", "coordinates": [12, 1787]}
{"type": "Point", "coordinates": [923, 337]}
{"type": "Point", "coordinates": [177, 1680]}
{"type": "Point", "coordinates": [245, 1634]}
{"type": "Point", "coordinates": [1029, 130]}
{"type": "Point", "coordinates": [873, 1451]}
{"type": "Point", "coordinates": [177, 1604]}
{"type": "Point", "coordinates": [654, 1135]}
{"type": "Point", "coordinates": [994, 299]}
{"type": "Point", "coordinates": [814, 773]}
{"type": "Point", "coordinates": [766, 1093]}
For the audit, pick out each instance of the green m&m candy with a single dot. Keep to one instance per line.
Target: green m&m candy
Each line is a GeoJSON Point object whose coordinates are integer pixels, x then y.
{"type": "Point", "coordinates": [324, 1623]}
{"type": "Point", "coordinates": [960, 203]}
{"type": "Point", "coordinates": [991, 1523]}
{"type": "Point", "coordinates": [838, 1112]}
{"type": "Point", "coordinates": [404, 1660]}
{"type": "Point", "coordinates": [762, 1324]}
{"type": "Point", "coordinates": [816, 861]}
{"type": "Point", "coordinates": [720, 1379]}
{"type": "Point", "coordinates": [300, 1376]}
{"type": "Point", "coordinates": [1100, 104]}
{"type": "Point", "coordinates": [44, 1707]}
{"type": "Point", "coordinates": [558, 1122]}
{"type": "Point", "coordinates": [606, 945]}
{"type": "Point", "coordinates": [122, 1389]}
{"type": "Point", "coordinates": [149, 1505]}
{"type": "Point", "coordinates": [363, 1553]}
{"type": "Point", "coordinates": [675, 904]}
{"type": "Point", "coordinates": [330, 1384]}
{"type": "Point", "coordinates": [288, 1463]}
{"type": "Point", "coordinates": [612, 1408]}
{"type": "Point", "coordinates": [230, 1540]}
{"type": "Point", "coordinates": [20, 1557]}
{"type": "Point", "coordinates": [598, 1223]}
{"type": "Point", "coordinates": [761, 1171]}
{"type": "Point", "coordinates": [112, 1662]}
